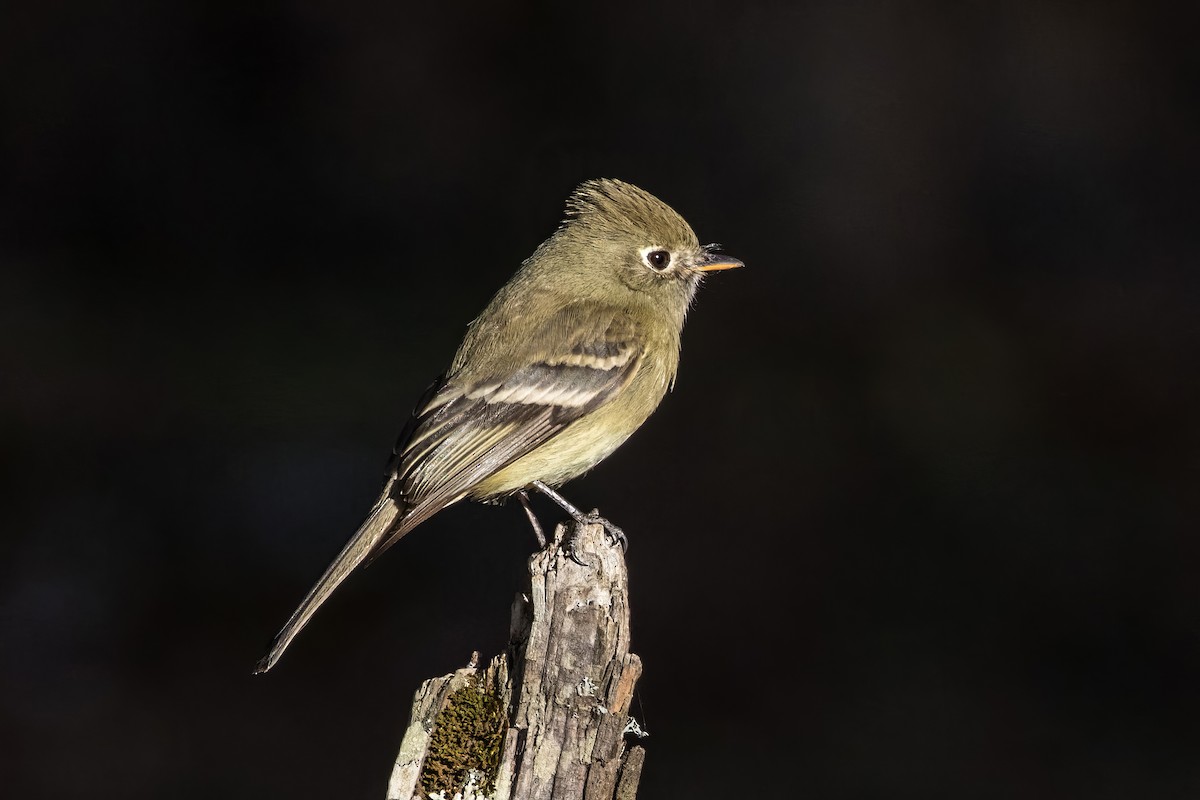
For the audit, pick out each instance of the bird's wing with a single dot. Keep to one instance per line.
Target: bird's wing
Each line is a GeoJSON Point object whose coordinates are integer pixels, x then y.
{"type": "Point", "coordinates": [473, 427]}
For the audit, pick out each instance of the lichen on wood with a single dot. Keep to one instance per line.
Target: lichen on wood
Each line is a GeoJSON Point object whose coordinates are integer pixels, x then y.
{"type": "Point", "coordinates": [465, 743]}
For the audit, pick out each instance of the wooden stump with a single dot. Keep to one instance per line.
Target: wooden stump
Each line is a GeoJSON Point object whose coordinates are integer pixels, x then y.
{"type": "Point", "coordinates": [549, 718]}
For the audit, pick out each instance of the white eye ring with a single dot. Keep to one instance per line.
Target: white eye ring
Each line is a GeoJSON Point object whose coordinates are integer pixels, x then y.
{"type": "Point", "coordinates": [656, 258]}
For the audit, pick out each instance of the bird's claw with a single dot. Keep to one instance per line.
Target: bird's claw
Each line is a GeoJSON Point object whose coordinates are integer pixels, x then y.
{"type": "Point", "coordinates": [611, 532]}
{"type": "Point", "coordinates": [569, 549]}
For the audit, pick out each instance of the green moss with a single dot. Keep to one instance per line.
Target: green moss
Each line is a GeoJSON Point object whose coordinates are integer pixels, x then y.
{"type": "Point", "coordinates": [468, 735]}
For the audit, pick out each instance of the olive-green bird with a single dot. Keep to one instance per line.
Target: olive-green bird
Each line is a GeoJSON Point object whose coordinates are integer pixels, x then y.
{"type": "Point", "coordinates": [568, 359]}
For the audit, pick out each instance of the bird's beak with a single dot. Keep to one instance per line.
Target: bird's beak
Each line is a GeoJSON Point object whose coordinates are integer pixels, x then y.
{"type": "Point", "coordinates": [712, 262]}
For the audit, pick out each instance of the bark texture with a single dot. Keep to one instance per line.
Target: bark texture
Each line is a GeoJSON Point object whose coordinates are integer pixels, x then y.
{"type": "Point", "coordinates": [549, 718]}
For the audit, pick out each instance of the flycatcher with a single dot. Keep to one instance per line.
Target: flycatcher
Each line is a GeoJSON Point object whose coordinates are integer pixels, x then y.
{"type": "Point", "coordinates": [568, 359]}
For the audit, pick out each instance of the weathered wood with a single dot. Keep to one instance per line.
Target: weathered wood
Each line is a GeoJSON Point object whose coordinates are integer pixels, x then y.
{"type": "Point", "coordinates": [548, 719]}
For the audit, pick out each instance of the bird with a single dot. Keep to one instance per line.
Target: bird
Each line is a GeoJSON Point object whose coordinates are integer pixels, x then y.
{"type": "Point", "coordinates": [565, 362]}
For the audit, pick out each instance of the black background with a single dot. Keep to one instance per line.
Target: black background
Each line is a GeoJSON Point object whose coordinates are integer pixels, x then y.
{"type": "Point", "coordinates": [919, 519]}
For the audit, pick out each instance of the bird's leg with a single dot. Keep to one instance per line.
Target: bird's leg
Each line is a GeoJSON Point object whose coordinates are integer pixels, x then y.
{"type": "Point", "coordinates": [615, 534]}
{"type": "Point", "coordinates": [523, 496]}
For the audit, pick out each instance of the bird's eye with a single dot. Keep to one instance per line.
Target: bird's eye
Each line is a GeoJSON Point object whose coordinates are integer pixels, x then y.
{"type": "Point", "coordinates": [658, 259]}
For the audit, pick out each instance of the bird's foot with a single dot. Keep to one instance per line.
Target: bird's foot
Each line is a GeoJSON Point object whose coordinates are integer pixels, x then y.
{"type": "Point", "coordinates": [611, 532]}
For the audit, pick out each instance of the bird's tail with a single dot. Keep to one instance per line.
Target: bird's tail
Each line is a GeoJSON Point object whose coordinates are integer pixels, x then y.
{"type": "Point", "coordinates": [363, 544]}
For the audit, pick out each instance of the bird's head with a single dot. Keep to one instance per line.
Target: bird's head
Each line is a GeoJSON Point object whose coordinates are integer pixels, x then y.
{"type": "Point", "coordinates": [638, 241]}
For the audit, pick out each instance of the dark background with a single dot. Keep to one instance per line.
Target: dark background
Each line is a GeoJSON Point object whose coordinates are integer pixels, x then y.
{"type": "Point", "coordinates": [919, 519]}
